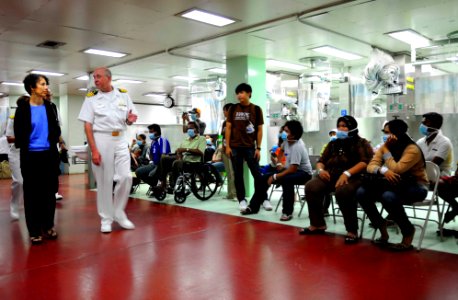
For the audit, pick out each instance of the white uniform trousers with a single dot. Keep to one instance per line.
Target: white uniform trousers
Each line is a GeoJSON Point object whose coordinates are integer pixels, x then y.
{"type": "Point", "coordinates": [115, 167]}
{"type": "Point", "coordinates": [17, 192]}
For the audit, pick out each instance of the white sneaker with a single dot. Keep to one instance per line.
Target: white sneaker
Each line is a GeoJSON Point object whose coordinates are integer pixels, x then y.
{"type": "Point", "coordinates": [59, 196]}
{"type": "Point", "coordinates": [105, 228]}
{"type": "Point", "coordinates": [243, 205]}
{"type": "Point", "coordinates": [267, 206]}
{"type": "Point", "coordinates": [14, 215]}
{"type": "Point", "coordinates": [126, 224]}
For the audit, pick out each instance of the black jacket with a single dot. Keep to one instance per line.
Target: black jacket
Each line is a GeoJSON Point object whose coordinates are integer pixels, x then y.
{"type": "Point", "coordinates": [23, 128]}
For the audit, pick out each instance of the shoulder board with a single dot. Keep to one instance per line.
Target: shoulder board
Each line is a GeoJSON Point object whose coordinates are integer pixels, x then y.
{"type": "Point", "coordinates": [122, 90]}
{"type": "Point", "coordinates": [92, 93]}
{"type": "Point", "coordinates": [11, 116]}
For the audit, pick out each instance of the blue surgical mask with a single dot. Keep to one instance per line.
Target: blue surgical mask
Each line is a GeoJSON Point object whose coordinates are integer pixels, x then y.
{"type": "Point", "coordinates": [385, 138]}
{"type": "Point", "coordinates": [283, 135]}
{"type": "Point", "coordinates": [333, 138]}
{"type": "Point", "coordinates": [341, 134]}
{"type": "Point", "coordinates": [139, 143]}
{"type": "Point", "coordinates": [152, 136]}
{"type": "Point", "coordinates": [191, 133]}
{"type": "Point", "coordinates": [193, 117]}
{"type": "Point", "coordinates": [425, 130]}
{"type": "Point", "coordinates": [209, 142]}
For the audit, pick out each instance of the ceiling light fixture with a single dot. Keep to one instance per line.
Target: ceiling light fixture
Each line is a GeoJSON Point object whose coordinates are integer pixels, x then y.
{"type": "Point", "coordinates": [82, 77]}
{"type": "Point", "coordinates": [104, 53]}
{"type": "Point", "coordinates": [410, 37]}
{"type": "Point", "coordinates": [129, 81]}
{"type": "Point", "coordinates": [14, 83]}
{"type": "Point", "coordinates": [217, 70]}
{"type": "Point", "coordinates": [181, 87]}
{"type": "Point", "coordinates": [206, 17]}
{"type": "Point", "coordinates": [48, 73]}
{"type": "Point", "coordinates": [184, 78]}
{"type": "Point", "coordinates": [82, 89]}
{"type": "Point", "coordinates": [336, 52]}
{"type": "Point", "coordinates": [285, 65]}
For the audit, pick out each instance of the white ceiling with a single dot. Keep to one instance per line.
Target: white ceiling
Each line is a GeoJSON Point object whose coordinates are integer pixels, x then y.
{"type": "Point", "coordinates": [161, 45]}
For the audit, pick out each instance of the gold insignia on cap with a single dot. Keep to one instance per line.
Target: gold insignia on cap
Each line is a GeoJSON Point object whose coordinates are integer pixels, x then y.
{"type": "Point", "coordinates": [122, 90]}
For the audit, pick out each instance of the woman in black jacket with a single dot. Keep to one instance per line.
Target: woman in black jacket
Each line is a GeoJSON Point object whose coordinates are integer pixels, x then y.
{"type": "Point", "coordinates": [37, 131]}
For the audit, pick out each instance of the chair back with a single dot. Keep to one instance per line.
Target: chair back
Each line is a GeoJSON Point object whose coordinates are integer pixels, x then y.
{"type": "Point", "coordinates": [433, 172]}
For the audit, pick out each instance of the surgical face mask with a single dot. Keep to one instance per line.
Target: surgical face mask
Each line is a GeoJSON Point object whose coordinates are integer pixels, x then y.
{"type": "Point", "coordinates": [139, 143]}
{"type": "Point", "coordinates": [424, 129]}
{"type": "Point", "coordinates": [153, 136]}
{"type": "Point", "coordinates": [209, 142]}
{"type": "Point", "coordinates": [333, 138]}
{"type": "Point", "coordinates": [191, 133]}
{"type": "Point", "coordinates": [193, 117]}
{"type": "Point", "coordinates": [283, 135]}
{"type": "Point", "coordinates": [341, 134]}
{"type": "Point", "coordinates": [385, 138]}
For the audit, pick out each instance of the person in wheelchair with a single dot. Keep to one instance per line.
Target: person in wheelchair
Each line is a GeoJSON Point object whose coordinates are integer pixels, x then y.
{"type": "Point", "coordinates": [191, 150]}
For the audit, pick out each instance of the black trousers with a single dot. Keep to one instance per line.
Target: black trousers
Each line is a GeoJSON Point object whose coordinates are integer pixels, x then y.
{"type": "Point", "coordinates": [39, 171]}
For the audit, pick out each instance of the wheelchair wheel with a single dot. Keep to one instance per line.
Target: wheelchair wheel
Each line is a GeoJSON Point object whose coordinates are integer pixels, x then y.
{"type": "Point", "coordinates": [179, 197]}
{"type": "Point", "coordinates": [159, 194]}
{"type": "Point", "coordinates": [204, 182]}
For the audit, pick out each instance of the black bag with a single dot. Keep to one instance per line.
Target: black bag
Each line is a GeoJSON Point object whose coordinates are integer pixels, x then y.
{"type": "Point", "coordinates": [63, 155]}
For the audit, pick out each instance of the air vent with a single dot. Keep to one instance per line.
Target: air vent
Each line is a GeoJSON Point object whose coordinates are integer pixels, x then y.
{"type": "Point", "coordinates": [51, 44]}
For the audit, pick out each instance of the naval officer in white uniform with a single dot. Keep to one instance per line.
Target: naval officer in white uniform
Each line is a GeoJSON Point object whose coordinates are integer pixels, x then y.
{"type": "Point", "coordinates": [106, 112]}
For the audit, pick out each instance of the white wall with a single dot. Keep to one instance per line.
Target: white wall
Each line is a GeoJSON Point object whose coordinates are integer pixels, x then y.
{"type": "Point", "coordinates": [75, 127]}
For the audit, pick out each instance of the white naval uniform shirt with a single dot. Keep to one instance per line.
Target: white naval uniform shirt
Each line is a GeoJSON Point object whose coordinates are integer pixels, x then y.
{"type": "Point", "coordinates": [107, 112]}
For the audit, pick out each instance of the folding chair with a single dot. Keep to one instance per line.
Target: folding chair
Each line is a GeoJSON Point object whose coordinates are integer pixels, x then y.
{"type": "Point", "coordinates": [429, 204]}
{"type": "Point", "coordinates": [299, 196]}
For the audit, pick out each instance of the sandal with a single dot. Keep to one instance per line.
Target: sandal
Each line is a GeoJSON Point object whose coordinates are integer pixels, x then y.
{"type": "Point", "coordinates": [36, 240]}
{"type": "Point", "coordinates": [400, 247]}
{"type": "Point", "coordinates": [51, 234]}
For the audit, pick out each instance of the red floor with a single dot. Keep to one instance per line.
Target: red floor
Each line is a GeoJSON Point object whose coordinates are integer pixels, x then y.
{"type": "Point", "coordinates": [182, 253]}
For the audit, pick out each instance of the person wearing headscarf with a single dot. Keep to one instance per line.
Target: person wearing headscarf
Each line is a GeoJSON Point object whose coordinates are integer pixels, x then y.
{"type": "Point", "coordinates": [338, 171]}
{"type": "Point", "coordinates": [402, 163]}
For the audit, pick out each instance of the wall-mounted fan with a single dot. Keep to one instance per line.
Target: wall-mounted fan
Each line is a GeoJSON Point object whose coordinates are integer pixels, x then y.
{"type": "Point", "coordinates": [382, 74]}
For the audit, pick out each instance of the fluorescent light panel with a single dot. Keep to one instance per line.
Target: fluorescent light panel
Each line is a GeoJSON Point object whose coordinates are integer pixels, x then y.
{"type": "Point", "coordinates": [217, 70]}
{"type": "Point", "coordinates": [46, 73]}
{"type": "Point", "coordinates": [105, 53]}
{"type": "Point", "coordinates": [206, 17]}
{"type": "Point", "coordinates": [336, 52]}
{"type": "Point", "coordinates": [410, 37]}
{"type": "Point", "coordinates": [82, 77]}
{"type": "Point", "coordinates": [129, 81]}
{"type": "Point", "coordinates": [285, 65]}
{"type": "Point", "coordinates": [184, 78]}
{"type": "Point", "coordinates": [14, 83]}
{"type": "Point", "coordinates": [82, 89]}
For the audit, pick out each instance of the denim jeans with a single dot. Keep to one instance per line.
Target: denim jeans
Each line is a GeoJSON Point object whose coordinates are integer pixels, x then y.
{"type": "Point", "coordinates": [239, 155]}
{"type": "Point", "coordinates": [392, 201]}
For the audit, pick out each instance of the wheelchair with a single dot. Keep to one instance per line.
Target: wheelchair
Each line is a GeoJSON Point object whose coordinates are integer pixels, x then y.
{"type": "Point", "coordinates": [200, 179]}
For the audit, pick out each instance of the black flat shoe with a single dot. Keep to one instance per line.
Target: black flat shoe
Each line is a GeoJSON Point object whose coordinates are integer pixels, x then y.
{"type": "Point", "coordinates": [36, 240]}
{"type": "Point", "coordinates": [380, 242]}
{"type": "Point", "coordinates": [450, 215]}
{"type": "Point", "coordinates": [349, 240]}
{"type": "Point", "coordinates": [400, 247]}
{"type": "Point", "coordinates": [307, 231]}
{"type": "Point", "coordinates": [248, 211]}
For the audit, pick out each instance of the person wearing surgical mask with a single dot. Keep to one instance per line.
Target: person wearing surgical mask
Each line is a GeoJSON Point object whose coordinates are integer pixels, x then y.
{"type": "Point", "coordinates": [159, 146]}
{"type": "Point", "coordinates": [332, 137]}
{"type": "Point", "coordinates": [191, 149]}
{"type": "Point", "coordinates": [193, 116]}
{"type": "Point", "coordinates": [338, 171]}
{"type": "Point", "coordinates": [436, 147]}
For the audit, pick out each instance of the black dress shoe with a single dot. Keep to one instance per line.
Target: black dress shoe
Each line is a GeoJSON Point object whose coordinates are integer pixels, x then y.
{"type": "Point", "coordinates": [307, 231]}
